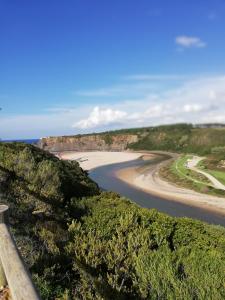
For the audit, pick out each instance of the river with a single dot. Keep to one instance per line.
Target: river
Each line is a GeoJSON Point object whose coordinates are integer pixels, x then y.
{"type": "Point", "coordinates": [107, 180]}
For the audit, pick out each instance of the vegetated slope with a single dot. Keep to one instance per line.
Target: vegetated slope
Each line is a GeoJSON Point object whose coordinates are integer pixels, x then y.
{"type": "Point", "coordinates": [180, 138]}
{"type": "Point", "coordinates": [82, 244]}
{"type": "Point", "coordinates": [177, 137]}
{"type": "Point", "coordinates": [126, 252]}
{"type": "Point", "coordinates": [39, 187]}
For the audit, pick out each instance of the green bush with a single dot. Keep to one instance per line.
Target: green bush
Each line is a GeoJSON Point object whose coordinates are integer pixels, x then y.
{"type": "Point", "coordinates": [82, 244]}
{"type": "Point", "coordinates": [126, 252]}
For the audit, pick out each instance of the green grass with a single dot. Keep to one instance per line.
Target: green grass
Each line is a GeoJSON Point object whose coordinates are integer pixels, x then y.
{"type": "Point", "coordinates": [219, 175]}
{"type": "Point", "coordinates": [179, 168]}
{"type": "Point", "coordinates": [177, 173]}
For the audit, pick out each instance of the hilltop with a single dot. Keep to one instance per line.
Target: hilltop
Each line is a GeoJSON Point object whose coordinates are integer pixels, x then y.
{"type": "Point", "coordinates": [201, 139]}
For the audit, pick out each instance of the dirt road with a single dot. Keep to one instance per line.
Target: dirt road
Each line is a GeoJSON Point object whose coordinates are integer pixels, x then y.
{"type": "Point", "coordinates": [192, 165]}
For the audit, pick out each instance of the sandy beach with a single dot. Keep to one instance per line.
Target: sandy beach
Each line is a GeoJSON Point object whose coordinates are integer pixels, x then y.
{"type": "Point", "coordinates": [92, 160]}
{"type": "Point", "coordinates": [146, 180]}
{"type": "Point", "coordinates": [150, 182]}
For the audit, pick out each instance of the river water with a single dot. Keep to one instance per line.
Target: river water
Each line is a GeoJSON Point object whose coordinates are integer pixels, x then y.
{"type": "Point", "coordinates": [106, 179]}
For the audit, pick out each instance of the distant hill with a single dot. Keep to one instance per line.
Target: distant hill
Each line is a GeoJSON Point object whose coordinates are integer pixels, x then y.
{"type": "Point", "coordinates": [181, 138]}
{"type": "Point", "coordinates": [199, 139]}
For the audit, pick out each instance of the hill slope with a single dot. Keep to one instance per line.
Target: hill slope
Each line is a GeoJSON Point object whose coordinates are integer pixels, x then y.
{"type": "Point", "coordinates": [82, 244]}
{"type": "Point", "coordinates": [178, 138]}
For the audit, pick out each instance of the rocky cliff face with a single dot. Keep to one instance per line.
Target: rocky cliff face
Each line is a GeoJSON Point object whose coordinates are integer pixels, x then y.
{"type": "Point", "coordinates": [95, 142]}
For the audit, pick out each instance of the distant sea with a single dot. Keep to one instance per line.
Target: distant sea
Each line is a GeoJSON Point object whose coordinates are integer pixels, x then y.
{"type": "Point", "coordinates": [27, 141]}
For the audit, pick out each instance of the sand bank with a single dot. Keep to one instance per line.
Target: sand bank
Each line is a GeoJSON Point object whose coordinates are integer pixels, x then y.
{"type": "Point", "coordinates": [92, 160]}
{"type": "Point", "coordinates": [146, 180]}
{"type": "Point", "coordinates": [150, 182]}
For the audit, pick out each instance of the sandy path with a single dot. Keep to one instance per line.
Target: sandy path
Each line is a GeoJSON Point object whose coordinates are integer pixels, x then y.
{"type": "Point", "coordinates": [192, 165]}
{"type": "Point", "coordinates": [150, 182]}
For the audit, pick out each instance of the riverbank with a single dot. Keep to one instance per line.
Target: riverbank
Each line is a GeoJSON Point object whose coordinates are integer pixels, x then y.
{"type": "Point", "coordinates": [148, 180]}
{"type": "Point", "coordinates": [91, 160]}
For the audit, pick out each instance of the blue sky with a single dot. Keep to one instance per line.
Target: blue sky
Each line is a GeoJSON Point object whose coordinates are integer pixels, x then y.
{"type": "Point", "coordinates": [81, 65]}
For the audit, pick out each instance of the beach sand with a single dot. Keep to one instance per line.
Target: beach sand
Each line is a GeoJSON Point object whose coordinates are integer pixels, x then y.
{"type": "Point", "coordinates": [150, 182]}
{"type": "Point", "coordinates": [91, 160]}
{"type": "Point", "coordinates": [146, 180]}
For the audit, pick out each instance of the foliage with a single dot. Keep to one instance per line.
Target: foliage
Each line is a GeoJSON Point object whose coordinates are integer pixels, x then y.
{"type": "Point", "coordinates": [108, 139]}
{"type": "Point", "coordinates": [126, 252]}
{"type": "Point", "coordinates": [113, 249]}
{"type": "Point", "coordinates": [189, 179]}
{"type": "Point", "coordinates": [181, 138]}
{"type": "Point", "coordinates": [39, 187]}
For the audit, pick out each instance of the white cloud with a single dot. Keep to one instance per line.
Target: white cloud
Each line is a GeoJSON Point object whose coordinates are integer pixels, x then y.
{"type": "Point", "coordinates": [212, 95]}
{"type": "Point", "coordinates": [99, 117]}
{"type": "Point", "coordinates": [189, 108]}
{"type": "Point", "coordinates": [189, 42]}
{"type": "Point", "coordinates": [192, 101]}
{"type": "Point", "coordinates": [118, 90]}
{"type": "Point", "coordinates": [198, 100]}
{"type": "Point", "coordinates": [151, 77]}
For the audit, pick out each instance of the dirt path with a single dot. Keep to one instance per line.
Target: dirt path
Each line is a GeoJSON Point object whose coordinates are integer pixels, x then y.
{"type": "Point", "coordinates": [192, 165]}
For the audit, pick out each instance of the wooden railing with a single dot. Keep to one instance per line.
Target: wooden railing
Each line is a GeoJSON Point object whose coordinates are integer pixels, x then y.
{"type": "Point", "coordinates": [12, 270]}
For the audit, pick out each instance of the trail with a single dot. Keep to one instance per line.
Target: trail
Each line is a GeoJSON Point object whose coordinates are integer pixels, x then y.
{"type": "Point", "coordinates": [192, 165]}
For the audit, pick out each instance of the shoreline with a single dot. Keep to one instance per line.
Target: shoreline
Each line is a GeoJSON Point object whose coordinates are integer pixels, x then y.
{"type": "Point", "coordinates": [91, 160]}
{"type": "Point", "coordinates": [151, 183]}
{"type": "Point", "coordinates": [146, 179]}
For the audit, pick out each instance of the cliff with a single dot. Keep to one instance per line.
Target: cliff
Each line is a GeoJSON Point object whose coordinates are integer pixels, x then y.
{"type": "Point", "coordinates": [95, 142]}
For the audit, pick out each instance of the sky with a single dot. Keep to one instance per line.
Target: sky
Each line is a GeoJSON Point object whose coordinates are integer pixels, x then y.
{"type": "Point", "coordinates": [80, 66]}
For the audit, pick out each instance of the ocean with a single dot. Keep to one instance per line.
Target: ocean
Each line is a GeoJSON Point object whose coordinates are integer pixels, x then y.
{"type": "Point", "coordinates": [27, 141]}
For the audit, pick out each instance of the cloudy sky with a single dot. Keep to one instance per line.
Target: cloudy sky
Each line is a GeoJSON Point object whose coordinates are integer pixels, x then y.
{"type": "Point", "coordinates": [80, 66]}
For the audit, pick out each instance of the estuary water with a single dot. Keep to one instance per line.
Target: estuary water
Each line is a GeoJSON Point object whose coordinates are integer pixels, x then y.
{"type": "Point", "coordinates": [107, 180]}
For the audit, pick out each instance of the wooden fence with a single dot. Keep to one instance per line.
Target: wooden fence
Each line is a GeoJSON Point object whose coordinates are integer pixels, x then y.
{"type": "Point", "coordinates": [12, 269]}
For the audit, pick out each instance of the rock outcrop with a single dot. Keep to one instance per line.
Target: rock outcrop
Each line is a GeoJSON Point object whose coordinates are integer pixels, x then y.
{"type": "Point", "coordinates": [94, 142]}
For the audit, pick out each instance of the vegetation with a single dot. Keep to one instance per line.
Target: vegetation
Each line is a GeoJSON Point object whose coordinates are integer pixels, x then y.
{"type": "Point", "coordinates": [181, 138]}
{"type": "Point", "coordinates": [127, 252]}
{"type": "Point", "coordinates": [215, 164]}
{"type": "Point", "coordinates": [218, 175]}
{"type": "Point", "coordinates": [179, 167]}
{"type": "Point", "coordinates": [108, 139]}
{"type": "Point", "coordinates": [184, 138]}
{"type": "Point", "coordinates": [39, 187]}
{"type": "Point", "coordinates": [80, 243]}
{"type": "Point", "coordinates": [177, 173]}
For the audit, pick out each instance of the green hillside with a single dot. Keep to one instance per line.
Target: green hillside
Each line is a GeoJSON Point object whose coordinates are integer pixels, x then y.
{"type": "Point", "coordinates": [180, 138]}
{"type": "Point", "coordinates": [80, 243]}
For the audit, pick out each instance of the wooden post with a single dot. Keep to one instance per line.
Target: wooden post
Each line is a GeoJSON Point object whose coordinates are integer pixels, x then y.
{"type": "Point", "coordinates": [3, 213]}
{"type": "Point", "coordinates": [17, 276]}
{"type": "Point", "coordinates": [3, 281]}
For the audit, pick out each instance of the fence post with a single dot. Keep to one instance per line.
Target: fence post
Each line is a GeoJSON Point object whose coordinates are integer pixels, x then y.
{"type": "Point", "coordinates": [17, 276]}
{"type": "Point", "coordinates": [3, 281]}
{"type": "Point", "coordinates": [3, 219]}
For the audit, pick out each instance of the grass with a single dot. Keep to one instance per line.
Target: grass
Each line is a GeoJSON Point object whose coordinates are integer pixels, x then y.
{"type": "Point", "coordinates": [219, 175]}
{"type": "Point", "coordinates": [179, 167]}
{"type": "Point", "coordinates": [177, 173]}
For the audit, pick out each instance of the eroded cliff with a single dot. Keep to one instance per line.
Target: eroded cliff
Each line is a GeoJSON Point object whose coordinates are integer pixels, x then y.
{"type": "Point", "coordinates": [95, 142]}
